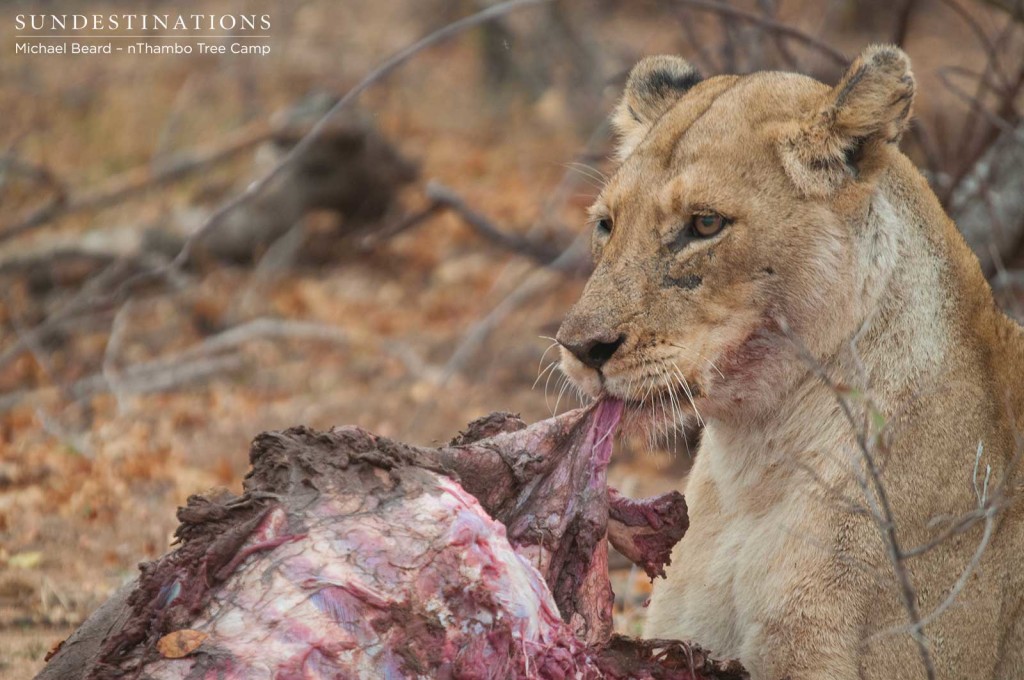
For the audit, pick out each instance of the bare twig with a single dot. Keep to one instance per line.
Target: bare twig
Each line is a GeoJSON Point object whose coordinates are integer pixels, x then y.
{"type": "Point", "coordinates": [75, 441]}
{"type": "Point", "coordinates": [974, 139]}
{"type": "Point", "coordinates": [90, 300]}
{"type": "Point", "coordinates": [1004, 280]}
{"type": "Point", "coordinates": [115, 340]}
{"type": "Point", "coordinates": [902, 27]}
{"type": "Point", "coordinates": [146, 379]}
{"type": "Point", "coordinates": [1002, 120]}
{"type": "Point", "coordinates": [539, 280]}
{"type": "Point", "coordinates": [277, 259]}
{"type": "Point", "coordinates": [976, 28]}
{"type": "Point", "coordinates": [481, 225]}
{"type": "Point", "coordinates": [770, 9]}
{"type": "Point", "coordinates": [771, 25]}
{"type": "Point", "coordinates": [877, 496]}
{"type": "Point", "coordinates": [257, 329]}
{"type": "Point", "coordinates": [406, 223]}
{"type": "Point", "coordinates": [41, 174]}
{"type": "Point", "coordinates": [929, 149]}
{"type": "Point", "coordinates": [572, 259]}
{"type": "Point", "coordinates": [985, 201]}
{"type": "Point", "coordinates": [707, 63]}
{"type": "Point", "coordinates": [991, 499]}
{"type": "Point", "coordinates": [727, 49]}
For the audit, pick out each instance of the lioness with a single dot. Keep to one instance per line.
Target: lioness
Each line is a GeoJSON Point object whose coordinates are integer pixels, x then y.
{"type": "Point", "coordinates": [766, 257]}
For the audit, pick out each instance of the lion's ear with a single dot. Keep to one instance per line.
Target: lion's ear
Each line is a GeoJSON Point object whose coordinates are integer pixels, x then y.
{"type": "Point", "coordinates": [868, 110]}
{"type": "Point", "coordinates": [654, 85]}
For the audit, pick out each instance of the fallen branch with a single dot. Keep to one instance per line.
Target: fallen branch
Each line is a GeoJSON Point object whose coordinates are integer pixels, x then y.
{"type": "Point", "coordinates": [310, 139]}
{"type": "Point", "coordinates": [441, 199]}
{"type": "Point", "coordinates": [139, 180]}
{"type": "Point", "coordinates": [193, 363]}
{"type": "Point", "coordinates": [444, 196]}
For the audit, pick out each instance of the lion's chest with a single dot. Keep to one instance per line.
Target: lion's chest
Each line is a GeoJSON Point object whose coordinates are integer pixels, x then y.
{"type": "Point", "coordinates": [740, 570]}
{"type": "Point", "coordinates": [737, 580]}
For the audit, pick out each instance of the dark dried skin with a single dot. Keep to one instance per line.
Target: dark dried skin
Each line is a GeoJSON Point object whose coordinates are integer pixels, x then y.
{"type": "Point", "coordinates": [397, 534]}
{"type": "Point", "coordinates": [625, 657]}
{"type": "Point", "coordinates": [488, 426]}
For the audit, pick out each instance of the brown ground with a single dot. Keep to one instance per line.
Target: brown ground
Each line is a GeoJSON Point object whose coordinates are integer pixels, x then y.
{"type": "Point", "coordinates": [88, 487]}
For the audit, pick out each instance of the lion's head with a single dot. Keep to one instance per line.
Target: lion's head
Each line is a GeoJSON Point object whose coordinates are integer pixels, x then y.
{"type": "Point", "coordinates": [745, 209]}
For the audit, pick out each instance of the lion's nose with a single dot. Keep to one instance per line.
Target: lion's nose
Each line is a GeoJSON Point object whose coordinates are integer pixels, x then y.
{"type": "Point", "coordinates": [595, 352]}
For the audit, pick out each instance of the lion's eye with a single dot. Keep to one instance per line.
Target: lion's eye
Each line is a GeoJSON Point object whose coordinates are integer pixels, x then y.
{"type": "Point", "coordinates": [604, 226]}
{"type": "Point", "coordinates": [705, 225]}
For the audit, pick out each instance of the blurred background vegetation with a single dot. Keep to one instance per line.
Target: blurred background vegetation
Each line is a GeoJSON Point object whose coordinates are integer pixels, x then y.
{"type": "Point", "coordinates": [403, 272]}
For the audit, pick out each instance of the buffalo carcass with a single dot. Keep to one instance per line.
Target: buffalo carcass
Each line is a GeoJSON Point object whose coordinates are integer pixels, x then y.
{"type": "Point", "coordinates": [353, 556]}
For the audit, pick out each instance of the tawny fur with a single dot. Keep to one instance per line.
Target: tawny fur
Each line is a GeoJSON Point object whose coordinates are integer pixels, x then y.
{"type": "Point", "coordinates": [840, 261]}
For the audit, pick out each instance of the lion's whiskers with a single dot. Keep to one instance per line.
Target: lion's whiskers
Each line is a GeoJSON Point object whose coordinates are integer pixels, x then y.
{"type": "Point", "coordinates": [677, 421]}
{"type": "Point", "coordinates": [593, 176]}
{"type": "Point", "coordinates": [664, 409]}
{"type": "Point", "coordinates": [588, 171]}
{"type": "Point", "coordinates": [547, 369]}
{"type": "Point", "coordinates": [681, 379]}
{"type": "Point", "coordinates": [669, 431]}
{"type": "Point", "coordinates": [554, 343]}
{"type": "Point", "coordinates": [565, 384]}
